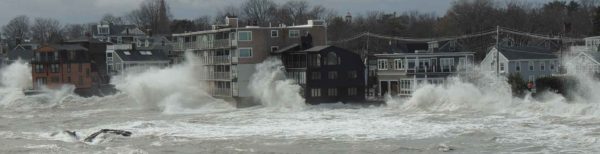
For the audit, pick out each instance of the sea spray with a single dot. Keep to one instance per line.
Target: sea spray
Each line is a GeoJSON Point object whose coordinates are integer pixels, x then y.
{"type": "Point", "coordinates": [484, 92]}
{"type": "Point", "coordinates": [173, 90]}
{"type": "Point", "coordinates": [16, 77]}
{"type": "Point", "coordinates": [270, 86]}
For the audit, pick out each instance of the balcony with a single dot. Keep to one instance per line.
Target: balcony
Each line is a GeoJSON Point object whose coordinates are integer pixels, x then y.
{"type": "Point", "coordinates": [221, 92]}
{"type": "Point", "coordinates": [217, 44]}
{"type": "Point", "coordinates": [218, 76]}
{"type": "Point", "coordinates": [212, 60]}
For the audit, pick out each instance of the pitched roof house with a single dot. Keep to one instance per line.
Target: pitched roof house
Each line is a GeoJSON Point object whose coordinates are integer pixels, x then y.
{"type": "Point", "coordinates": [530, 62]}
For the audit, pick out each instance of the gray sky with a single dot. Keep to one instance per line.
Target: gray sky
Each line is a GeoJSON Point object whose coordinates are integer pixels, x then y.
{"type": "Point", "coordinates": [84, 11]}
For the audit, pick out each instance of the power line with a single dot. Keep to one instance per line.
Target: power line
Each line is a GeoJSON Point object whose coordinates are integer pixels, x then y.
{"type": "Point", "coordinates": [484, 33]}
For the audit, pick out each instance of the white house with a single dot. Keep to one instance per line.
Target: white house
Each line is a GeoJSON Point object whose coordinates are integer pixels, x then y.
{"type": "Point", "coordinates": [120, 58]}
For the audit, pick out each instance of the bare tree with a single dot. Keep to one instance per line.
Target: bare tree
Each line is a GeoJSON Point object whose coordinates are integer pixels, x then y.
{"type": "Point", "coordinates": [73, 31]}
{"type": "Point", "coordinates": [111, 19]}
{"type": "Point", "coordinates": [230, 10]}
{"type": "Point", "coordinates": [259, 11]}
{"type": "Point", "coordinates": [17, 28]}
{"type": "Point", "coordinates": [153, 15]}
{"type": "Point", "coordinates": [202, 23]}
{"type": "Point", "coordinates": [46, 30]}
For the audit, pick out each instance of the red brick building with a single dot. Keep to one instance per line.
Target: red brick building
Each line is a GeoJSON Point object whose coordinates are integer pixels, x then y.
{"type": "Point", "coordinates": [57, 65]}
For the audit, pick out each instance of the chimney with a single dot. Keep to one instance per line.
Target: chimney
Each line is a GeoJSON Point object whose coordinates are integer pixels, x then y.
{"type": "Point", "coordinates": [306, 41]}
{"type": "Point", "coordinates": [231, 21]}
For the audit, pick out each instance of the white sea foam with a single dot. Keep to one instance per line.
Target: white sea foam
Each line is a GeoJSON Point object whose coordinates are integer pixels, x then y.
{"type": "Point", "coordinates": [270, 86]}
{"type": "Point", "coordinates": [173, 90]}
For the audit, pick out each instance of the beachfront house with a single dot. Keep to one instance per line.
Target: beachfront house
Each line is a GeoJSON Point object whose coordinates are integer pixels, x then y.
{"type": "Point", "coordinates": [529, 62]}
{"type": "Point", "coordinates": [400, 73]}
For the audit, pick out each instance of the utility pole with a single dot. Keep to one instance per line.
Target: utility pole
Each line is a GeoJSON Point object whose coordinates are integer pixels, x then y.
{"type": "Point", "coordinates": [497, 50]}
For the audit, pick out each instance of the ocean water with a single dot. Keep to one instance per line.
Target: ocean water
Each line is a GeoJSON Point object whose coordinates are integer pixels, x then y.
{"type": "Point", "coordinates": [167, 112]}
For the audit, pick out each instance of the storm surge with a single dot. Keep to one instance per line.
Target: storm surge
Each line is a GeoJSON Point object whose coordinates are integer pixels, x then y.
{"type": "Point", "coordinates": [172, 90]}
{"type": "Point", "coordinates": [270, 86]}
{"type": "Point", "coordinates": [16, 77]}
{"type": "Point", "coordinates": [484, 92]}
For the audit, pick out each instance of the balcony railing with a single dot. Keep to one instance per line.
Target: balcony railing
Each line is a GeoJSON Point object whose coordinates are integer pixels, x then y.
{"type": "Point", "coordinates": [223, 43]}
{"type": "Point", "coordinates": [217, 60]}
{"type": "Point", "coordinates": [217, 76]}
{"type": "Point", "coordinates": [221, 92]}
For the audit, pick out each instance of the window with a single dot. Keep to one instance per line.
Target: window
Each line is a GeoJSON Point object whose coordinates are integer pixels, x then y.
{"type": "Point", "coordinates": [315, 92]}
{"type": "Point", "coordinates": [551, 66]}
{"type": "Point", "coordinates": [315, 75]}
{"type": "Point", "coordinates": [447, 64]}
{"type": "Point", "coordinates": [69, 79]}
{"type": "Point", "coordinates": [542, 66]}
{"type": "Point", "coordinates": [352, 91]}
{"type": "Point", "coordinates": [39, 68]}
{"type": "Point", "coordinates": [332, 59]}
{"type": "Point", "coordinates": [501, 66]}
{"type": "Point", "coordinates": [274, 33]}
{"type": "Point", "coordinates": [274, 48]}
{"type": "Point", "coordinates": [518, 66]}
{"type": "Point", "coordinates": [87, 72]}
{"type": "Point", "coordinates": [294, 33]}
{"type": "Point", "coordinates": [40, 81]}
{"type": "Point", "coordinates": [109, 56]}
{"type": "Point", "coordinates": [103, 30]}
{"type": "Point", "coordinates": [382, 64]}
{"type": "Point", "coordinates": [314, 60]}
{"type": "Point", "coordinates": [530, 63]}
{"type": "Point", "coordinates": [352, 75]}
{"type": "Point", "coordinates": [398, 64]}
{"type": "Point", "coordinates": [54, 79]}
{"type": "Point", "coordinates": [54, 68]}
{"type": "Point", "coordinates": [80, 67]}
{"type": "Point", "coordinates": [333, 75]}
{"type": "Point", "coordinates": [80, 80]}
{"type": "Point", "coordinates": [119, 40]}
{"type": "Point", "coordinates": [532, 78]}
{"type": "Point", "coordinates": [146, 53]}
{"type": "Point", "coordinates": [245, 35]}
{"type": "Point", "coordinates": [332, 92]}
{"type": "Point", "coordinates": [245, 52]}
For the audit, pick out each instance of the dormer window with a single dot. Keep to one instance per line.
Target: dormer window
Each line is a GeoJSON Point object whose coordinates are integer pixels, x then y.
{"type": "Point", "coordinates": [147, 43]}
{"type": "Point", "coordinates": [103, 30]}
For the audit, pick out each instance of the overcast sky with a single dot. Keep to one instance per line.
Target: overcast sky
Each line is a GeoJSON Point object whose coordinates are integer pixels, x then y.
{"type": "Point", "coordinates": [84, 11]}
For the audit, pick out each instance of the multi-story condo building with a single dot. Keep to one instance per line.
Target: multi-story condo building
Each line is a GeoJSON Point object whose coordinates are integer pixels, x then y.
{"type": "Point", "coordinates": [230, 52]}
{"type": "Point", "coordinates": [57, 65]}
{"type": "Point", "coordinates": [399, 74]}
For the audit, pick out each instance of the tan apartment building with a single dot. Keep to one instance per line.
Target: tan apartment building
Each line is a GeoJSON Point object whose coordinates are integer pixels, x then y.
{"type": "Point", "coordinates": [230, 53]}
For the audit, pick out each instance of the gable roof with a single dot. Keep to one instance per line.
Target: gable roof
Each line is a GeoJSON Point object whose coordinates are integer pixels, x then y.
{"type": "Point", "coordinates": [526, 52]}
{"type": "Point", "coordinates": [318, 48]}
{"type": "Point", "coordinates": [136, 55]}
{"type": "Point", "coordinates": [592, 54]}
{"type": "Point", "coordinates": [20, 53]}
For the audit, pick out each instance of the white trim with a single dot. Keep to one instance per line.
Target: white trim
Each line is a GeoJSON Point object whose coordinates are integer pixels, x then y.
{"type": "Point", "coordinates": [274, 47]}
{"type": "Point", "coordinates": [240, 55]}
{"type": "Point", "coordinates": [290, 33]}
{"type": "Point", "coordinates": [274, 30]}
{"type": "Point", "coordinates": [238, 37]}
